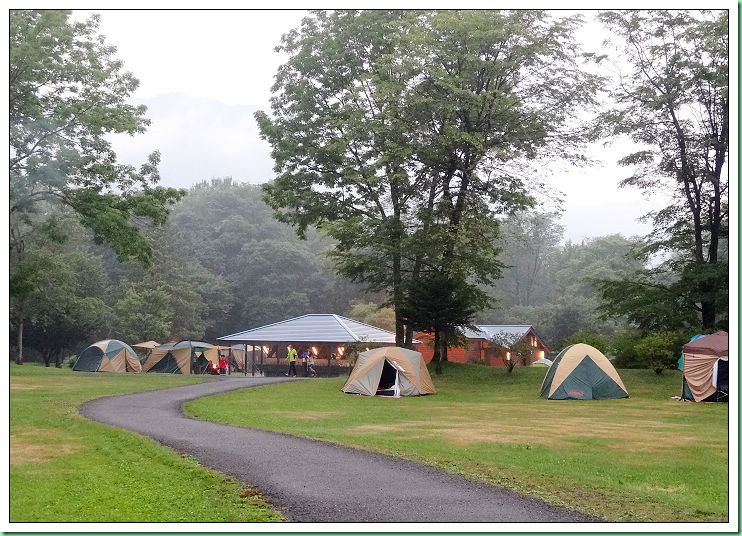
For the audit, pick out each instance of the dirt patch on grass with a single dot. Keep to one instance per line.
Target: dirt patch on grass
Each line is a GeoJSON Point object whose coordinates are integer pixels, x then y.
{"type": "Point", "coordinates": [22, 385]}
{"type": "Point", "coordinates": [316, 415]}
{"type": "Point", "coordinates": [404, 426]}
{"type": "Point", "coordinates": [636, 435]}
{"type": "Point", "coordinates": [39, 445]}
{"type": "Point", "coordinates": [671, 489]}
{"type": "Point", "coordinates": [14, 386]}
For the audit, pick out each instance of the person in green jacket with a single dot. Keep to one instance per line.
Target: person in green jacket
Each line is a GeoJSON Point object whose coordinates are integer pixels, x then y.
{"type": "Point", "coordinates": [292, 362]}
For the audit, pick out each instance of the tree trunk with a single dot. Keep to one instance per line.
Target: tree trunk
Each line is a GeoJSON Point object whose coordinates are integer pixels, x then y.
{"type": "Point", "coordinates": [399, 338]}
{"type": "Point", "coordinates": [444, 347]}
{"type": "Point", "coordinates": [694, 202]}
{"type": "Point", "coordinates": [19, 356]}
{"type": "Point", "coordinates": [409, 333]}
{"type": "Point", "coordinates": [437, 351]}
{"type": "Point", "coordinates": [397, 290]}
{"type": "Point", "coordinates": [708, 311]}
{"type": "Point", "coordinates": [418, 263]}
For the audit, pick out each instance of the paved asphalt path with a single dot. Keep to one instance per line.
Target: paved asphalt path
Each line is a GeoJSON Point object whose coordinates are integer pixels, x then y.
{"type": "Point", "coordinates": [314, 481]}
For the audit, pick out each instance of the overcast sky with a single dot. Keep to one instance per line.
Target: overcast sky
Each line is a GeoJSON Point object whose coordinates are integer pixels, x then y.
{"type": "Point", "coordinates": [204, 73]}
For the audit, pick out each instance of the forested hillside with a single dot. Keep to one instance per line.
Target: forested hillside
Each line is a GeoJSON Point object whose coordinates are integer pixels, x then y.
{"type": "Point", "coordinates": [223, 264]}
{"type": "Point", "coordinates": [256, 271]}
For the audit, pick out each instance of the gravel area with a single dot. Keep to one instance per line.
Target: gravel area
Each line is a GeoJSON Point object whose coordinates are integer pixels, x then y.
{"type": "Point", "coordinates": [314, 481]}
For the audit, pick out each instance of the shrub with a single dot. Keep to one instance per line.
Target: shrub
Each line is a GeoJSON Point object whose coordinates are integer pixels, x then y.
{"type": "Point", "coordinates": [623, 350]}
{"type": "Point", "coordinates": [659, 350]}
{"type": "Point", "coordinates": [588, 337]}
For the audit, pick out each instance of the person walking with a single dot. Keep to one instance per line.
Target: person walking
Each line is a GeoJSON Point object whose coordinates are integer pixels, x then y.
{"type": "Point", "coordinates": [304, 362]}
{"type": "Point", "coordinates": [292, 361]}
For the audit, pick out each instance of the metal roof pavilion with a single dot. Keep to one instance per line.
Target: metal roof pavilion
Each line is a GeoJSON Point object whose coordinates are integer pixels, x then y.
{"type": "Point", "coordinates": [314, 328]}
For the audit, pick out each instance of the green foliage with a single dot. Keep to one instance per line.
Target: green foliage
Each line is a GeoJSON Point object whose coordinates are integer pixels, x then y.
{"type": "Point", "coordinates": [595, 340]}
{"type": "Point", "coordinates": [172, 294]}
{"type": "Point", "coordinates": [58, 292]}
{"type": "Point", "coordinates": [392, 143]}
{"type": "Point", "coordinates": [220, 265]}
{"type": "Point", "coordinates": [660, 350]}
{"type": "Point", "coordinates": [371, 313]}
{"type": "Point", "coordinates": [657, 350]}
{"type": "Point", "coordinates": [247, 269]}
{"type": "Point", "coordinates": [67, 92]}
{"type": "Point", "coordinates": [441, 303]}
{"type": "Point", "coordinates": [661, 299]}
{"type": "Point", "coordinates": [555, 287]}
{"type": "Point", "coordinates": [674, 101]}
{"type": "Point", "coordinates": [144, 314]}
{"type": "Point", "coordinates": [623, 350]}
{"type": "Point", "coordinates": [530, 241]}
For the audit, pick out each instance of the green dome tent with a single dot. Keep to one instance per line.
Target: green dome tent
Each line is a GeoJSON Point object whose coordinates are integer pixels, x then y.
{"type": "Point", "coordinates": [108, 356]}
{"type": "Point", "coordinates": [582, 372]}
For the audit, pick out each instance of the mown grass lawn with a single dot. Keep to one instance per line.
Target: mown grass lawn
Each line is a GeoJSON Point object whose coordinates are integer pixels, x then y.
{"type": "Point", "coordinates": [645, 458]}
{"type": "Point", "coordinates": [64, 468]}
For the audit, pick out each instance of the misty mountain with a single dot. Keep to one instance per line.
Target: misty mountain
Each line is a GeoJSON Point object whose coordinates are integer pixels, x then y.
{"type": "Point", "coordinates": [199, 138]}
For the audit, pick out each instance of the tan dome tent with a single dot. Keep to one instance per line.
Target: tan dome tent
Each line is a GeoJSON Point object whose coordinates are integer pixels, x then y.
{"type": "Point", "coordinates": [706, 368]}
{"type": "Point", "coordinates": [147, 345]}
{"type": "Point", "coordinates": [242, 357]}
{"type": "Point", "coordinates": [389, 371]}
{"type": "Point", "coordinates": [108, 356]}
{"type": "Point", "coordinates": [182, 357]}
{"type": "Point", "coordinates": [582, 372]}
{"type": "Point", "coordinates": [145, 348]}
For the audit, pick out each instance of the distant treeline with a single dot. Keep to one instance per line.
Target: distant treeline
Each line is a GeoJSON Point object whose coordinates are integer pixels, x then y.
{"type": "Point", "coordinates": [223, 264]}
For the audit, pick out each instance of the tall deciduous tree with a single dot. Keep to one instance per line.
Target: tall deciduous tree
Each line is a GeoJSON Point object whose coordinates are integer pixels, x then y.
{"type": "Point", "coordinates": [248, 268]}
{"type": "Point", "coordinates": [561, 281]}
{"type": "Point", "coordinates": [391, 130]}
{"type": "Point", "coordinates": [340, 141]}
{"type": "Point", "coordinates": [58, 291]}
{"type": "Point", "coordinates": [67, 91]}
{"type": "Point", "coordinates": [530, 252]}
{"type": "Point", "coordinates": [441, 302]}
{"type": "Point", "coordinates": [674, 102]}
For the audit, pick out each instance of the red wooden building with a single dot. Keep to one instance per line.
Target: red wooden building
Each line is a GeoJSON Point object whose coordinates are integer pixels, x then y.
{"type": "Point", "coordinates": [491, 345]}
